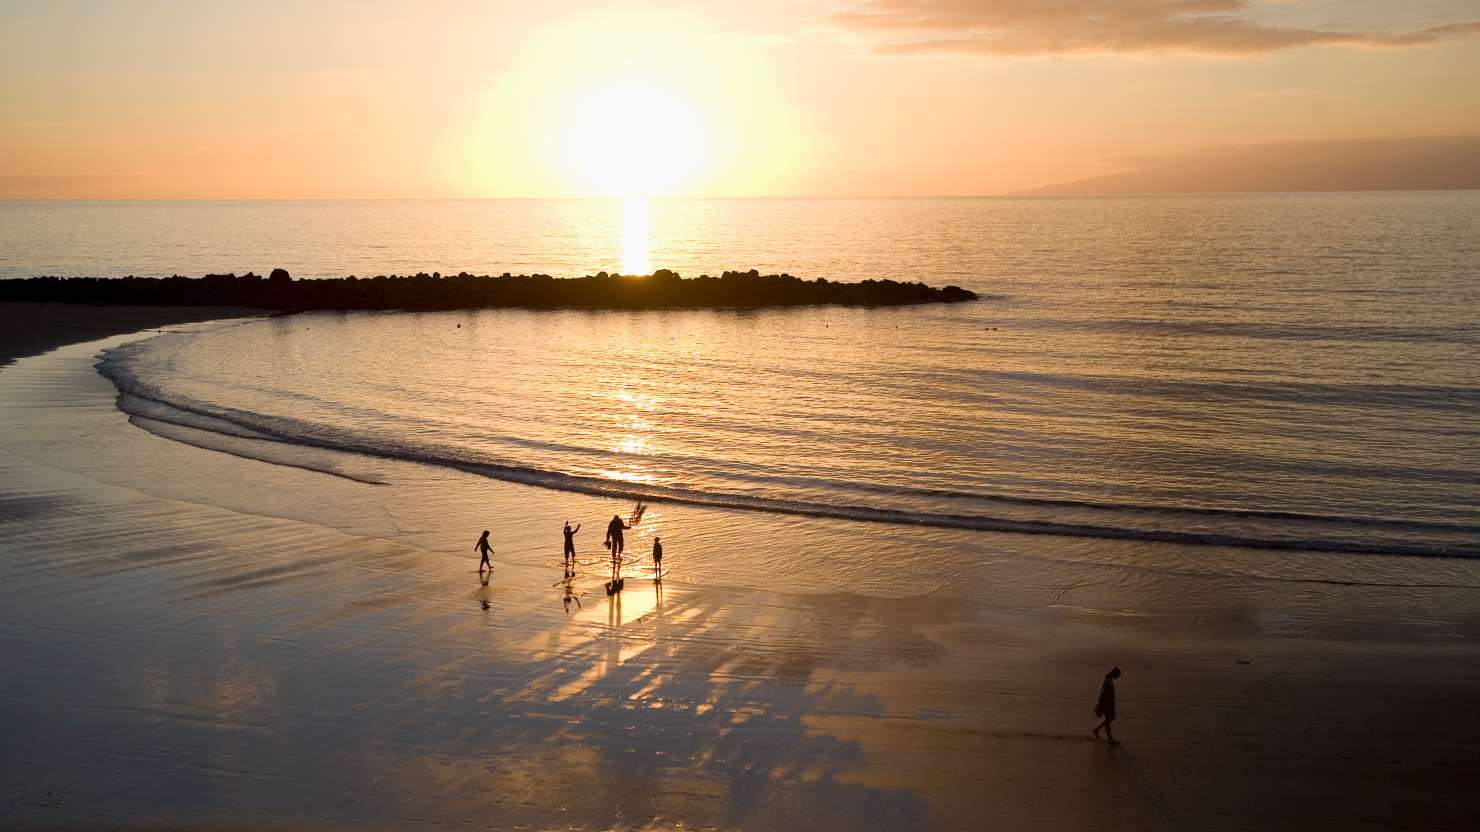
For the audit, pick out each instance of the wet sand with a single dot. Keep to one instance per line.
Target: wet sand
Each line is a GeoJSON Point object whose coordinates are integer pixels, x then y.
{"type": "Point", "coordinates": [171, 660]}
{"type": "Point", "coordinates": [34, 328]}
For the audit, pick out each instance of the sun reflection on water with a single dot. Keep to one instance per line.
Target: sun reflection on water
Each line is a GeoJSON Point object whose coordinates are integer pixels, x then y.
{"type": "Point", "coordinates": [633, 428]}
{"type": "Point", "coordinates": [631, 445]}
{"type": "Point", "coordinates": [635, 259]}
{"type": "Point", "coordinates": [626, 476]}
{"type": "Point", "coordinates": [641, 401]}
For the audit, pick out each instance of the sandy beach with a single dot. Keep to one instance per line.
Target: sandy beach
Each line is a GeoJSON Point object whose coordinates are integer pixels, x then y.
{"type": "Point", "coordinates": [187, 648]}
{"type": "Point", "coordinates": [34, 328]}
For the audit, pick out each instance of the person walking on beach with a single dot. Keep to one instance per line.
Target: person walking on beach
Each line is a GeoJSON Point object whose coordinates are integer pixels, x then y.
{"type": "Point", "coordinates": [484, 549]}
{"type": "Point", "coordinates": [614, 542]}
{"type": "Point", "coordinates": [1105, 707]}
{"type": "Point", "coordinates": [657, 558]}
{"type": "Point", "coordinates": [570, 540]}
{"type": "Point", "coordinates": [614, 535]}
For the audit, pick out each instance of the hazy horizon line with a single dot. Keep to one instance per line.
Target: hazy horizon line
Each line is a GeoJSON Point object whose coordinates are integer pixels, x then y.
{"type": "Point", "coordinates": [1029, 194]}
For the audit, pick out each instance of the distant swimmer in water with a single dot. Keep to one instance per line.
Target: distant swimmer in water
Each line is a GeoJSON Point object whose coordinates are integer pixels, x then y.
{"type": "Point", "coordinates": [657, 558]}
{"type": "Point", "coordinates": [485, 550]}
{"type": "Point", "coordinates": [1105, 707]}
{"type": "Point", "coordinates": [570, 540]}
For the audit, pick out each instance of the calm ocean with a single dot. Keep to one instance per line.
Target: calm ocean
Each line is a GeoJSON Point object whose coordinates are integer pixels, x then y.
{"type": "Point", "coordinates": [1287, 372]}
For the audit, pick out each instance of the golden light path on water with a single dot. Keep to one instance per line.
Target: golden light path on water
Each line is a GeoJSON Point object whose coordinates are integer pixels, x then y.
{"type": "Point", "coordinates": [635, 236]}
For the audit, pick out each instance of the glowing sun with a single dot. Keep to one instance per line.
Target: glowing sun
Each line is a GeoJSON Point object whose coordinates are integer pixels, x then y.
{"type": "Point", "coordinates": [632, 138]}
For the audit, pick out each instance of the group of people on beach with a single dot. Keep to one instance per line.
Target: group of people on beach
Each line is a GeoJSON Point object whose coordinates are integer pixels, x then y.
{"type": "Point", "coordinates": [615, 542]}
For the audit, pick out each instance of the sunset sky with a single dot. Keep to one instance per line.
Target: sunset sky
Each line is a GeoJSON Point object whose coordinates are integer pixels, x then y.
{"type": "Point", "coordinates": [765, 98]}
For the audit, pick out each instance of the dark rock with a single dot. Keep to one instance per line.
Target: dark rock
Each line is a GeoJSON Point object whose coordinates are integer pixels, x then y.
{"type": "Point", "coordinates": [665, 290]}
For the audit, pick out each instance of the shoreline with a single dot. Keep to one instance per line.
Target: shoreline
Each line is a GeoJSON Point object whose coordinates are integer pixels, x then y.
{"type": "Point", "coordinates": [34, 328]}
{"type": "Point", "coordinates": [213, 666]}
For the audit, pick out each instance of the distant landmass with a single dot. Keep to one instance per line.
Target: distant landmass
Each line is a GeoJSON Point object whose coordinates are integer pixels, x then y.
{"type": "Point", "coordinates": [663, 289]}
{"type": "Point", "coordinates": [1406, 164]}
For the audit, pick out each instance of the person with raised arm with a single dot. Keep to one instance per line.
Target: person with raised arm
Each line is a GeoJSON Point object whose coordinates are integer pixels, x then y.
{"type": "Point", "coordinates": [570, 540]}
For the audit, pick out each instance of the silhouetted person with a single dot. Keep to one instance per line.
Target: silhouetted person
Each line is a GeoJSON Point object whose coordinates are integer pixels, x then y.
{"type": "Point", "coordinates": [485, 550]}
{"type": "Point", "coordinates": [614, 542]}
{"type": "Point", "coordinates": [570, 539]}
{"type": "Point", "coordinates": [1105, 707]}
{"type": "Point", "coordinates": [658, 558]}
{"type": "Point", "coordinates": [614, 531]}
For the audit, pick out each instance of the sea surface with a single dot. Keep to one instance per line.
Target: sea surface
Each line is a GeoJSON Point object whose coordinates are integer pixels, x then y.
{"type": "Point", "coordinates": [1285, 373]}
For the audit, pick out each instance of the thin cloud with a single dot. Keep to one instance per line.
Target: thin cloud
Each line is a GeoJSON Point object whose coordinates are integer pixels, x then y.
{"type": "Point", "coordinates": [1025, 28]}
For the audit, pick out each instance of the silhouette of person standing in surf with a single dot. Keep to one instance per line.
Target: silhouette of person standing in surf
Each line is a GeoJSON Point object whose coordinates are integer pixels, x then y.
{"type": "Point", "coordinates": [570, 540]}
{"type": "Point", "coordinates": [1105, 707]}
{"type": "Point", "coordinates": [615, 542]}
{"type": "Point", "coordinates": [614, 531]}
{"type": "Point", "coordinates": [485, 550]}
{"type": "Point", "coordinates": [657, 558]}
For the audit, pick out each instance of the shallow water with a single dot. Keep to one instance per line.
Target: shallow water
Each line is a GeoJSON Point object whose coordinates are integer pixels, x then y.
{"type": "Point", "coordinates": [1282, 372]}
{"type": "Point", "coordinates": [191, 653]}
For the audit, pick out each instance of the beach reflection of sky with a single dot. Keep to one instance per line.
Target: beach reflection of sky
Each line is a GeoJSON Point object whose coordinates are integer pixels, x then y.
{"type": "Point", "coordinates": [201, 657]}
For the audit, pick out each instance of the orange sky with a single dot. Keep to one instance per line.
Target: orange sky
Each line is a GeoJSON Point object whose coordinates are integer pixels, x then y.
{"type": "Point", "coordinates": [883, 97]}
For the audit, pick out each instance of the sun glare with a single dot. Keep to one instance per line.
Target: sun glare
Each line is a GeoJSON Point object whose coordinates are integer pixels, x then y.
{"type": "Point", "coordinates": [635, 257]}
{"type": "Point", "coordinates": [633, 139]}
{"type": "Point", "coordinates": [677, 111]}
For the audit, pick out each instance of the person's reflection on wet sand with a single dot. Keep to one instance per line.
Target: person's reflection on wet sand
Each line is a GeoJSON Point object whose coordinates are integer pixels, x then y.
{"type": "Point", "coordinates": [570, 595]}
{"type": "Point", "coordinates": [482, 595]}
{"type": "Point", "coordinates": [614, 610]}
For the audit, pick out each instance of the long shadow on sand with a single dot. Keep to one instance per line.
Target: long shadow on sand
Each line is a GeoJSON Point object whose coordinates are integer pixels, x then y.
{"type": "Point", "coordinates": [690, 713]}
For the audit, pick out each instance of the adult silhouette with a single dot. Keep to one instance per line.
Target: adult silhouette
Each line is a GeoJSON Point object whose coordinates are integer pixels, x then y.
{"type": "Point", "coordinates": [614, 531]}
{"type": "Point", "coordinates": [485, 550]}
{"type": "Point", "coordinates": [614, 542]}
{"type": "Point", "coordinates": [1105, 707]}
